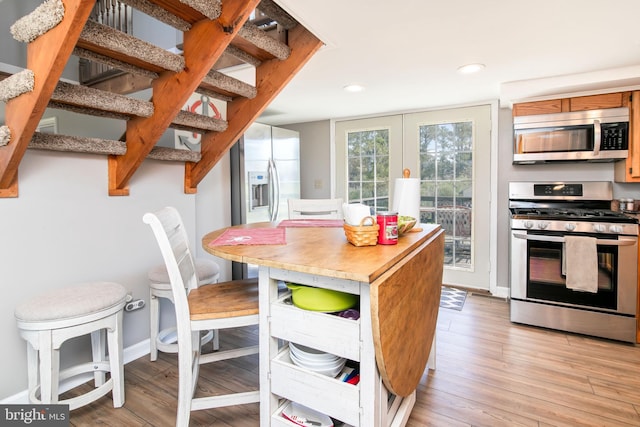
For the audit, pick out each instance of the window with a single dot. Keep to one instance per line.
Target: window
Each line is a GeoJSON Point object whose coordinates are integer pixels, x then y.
{"type": "Point", "coordinates": [446, 179]}
{"type": "Point", "coordinates": [368, 168]}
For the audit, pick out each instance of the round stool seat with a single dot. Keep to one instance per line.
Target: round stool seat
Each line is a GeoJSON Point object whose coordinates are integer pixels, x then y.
{"type": "Point", "coordinates": [72, 305]}
{"type": "Point", "coordinates": [51, 318]}
{"type": "Point", "coordinates": [206, 270]}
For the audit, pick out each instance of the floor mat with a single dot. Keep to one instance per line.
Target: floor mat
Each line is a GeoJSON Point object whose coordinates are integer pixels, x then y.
{"type": "Point", "coordinates": [452, 298]}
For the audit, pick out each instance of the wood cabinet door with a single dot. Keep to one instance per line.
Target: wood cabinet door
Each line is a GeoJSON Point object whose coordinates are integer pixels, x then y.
{"type": "Point", "coordinates": [629, 170]}
{"type": "Point", "coordinates": [599, 102]}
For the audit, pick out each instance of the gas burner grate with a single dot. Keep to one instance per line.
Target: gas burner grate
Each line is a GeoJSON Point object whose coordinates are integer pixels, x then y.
{"type": "Point", "coordinates": [570, 214]}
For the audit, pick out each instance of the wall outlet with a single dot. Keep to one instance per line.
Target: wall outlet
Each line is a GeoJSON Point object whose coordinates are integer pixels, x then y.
{"type": "Point", "coordinates": [134, 305]}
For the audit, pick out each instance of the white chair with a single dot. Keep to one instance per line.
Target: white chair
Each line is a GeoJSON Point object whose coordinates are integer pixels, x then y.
{"type": "Point", "coordinates": [315, 209]}
{"type": "Point", "coordinates": [160, 287]}
{"type": "Point", "coordinates": [48, 320]}
{"type": "Point", "coordinates": [223, 305]}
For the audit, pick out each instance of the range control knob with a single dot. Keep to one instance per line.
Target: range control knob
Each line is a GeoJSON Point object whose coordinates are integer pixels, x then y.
{"type": "Point", "coordinates": [569, 226]}
{"type": "Point", "coordinates": [599, 228]}
{"type": "Point", "coordinates": [528, 224]}
{"type": "Point", "coordinates": [543, 224]}
{"type": "Point", "coordinates": [615, 229]}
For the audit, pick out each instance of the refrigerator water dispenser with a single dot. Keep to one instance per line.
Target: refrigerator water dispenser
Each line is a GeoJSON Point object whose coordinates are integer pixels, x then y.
{"type": "Point", "coordinates": [259, 187]}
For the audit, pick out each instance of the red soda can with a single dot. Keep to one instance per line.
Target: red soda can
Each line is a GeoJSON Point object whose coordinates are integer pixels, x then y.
{"type": "Point", "coordinates": [388, 232]}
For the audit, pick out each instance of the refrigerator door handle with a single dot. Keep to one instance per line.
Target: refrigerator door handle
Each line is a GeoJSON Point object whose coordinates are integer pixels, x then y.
{"type": "Point", "coordinates": [271, 184]}
{"type": "Point", "coordinates": [276, 191]}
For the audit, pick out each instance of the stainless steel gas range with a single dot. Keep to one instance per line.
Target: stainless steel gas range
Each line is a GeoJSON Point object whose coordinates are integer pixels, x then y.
{"type": "Point", "coordinates": [543, 217]}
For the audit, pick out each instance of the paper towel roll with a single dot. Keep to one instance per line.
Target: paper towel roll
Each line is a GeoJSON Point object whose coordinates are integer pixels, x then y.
{"type": "Point", "coordinates": [406, 197]}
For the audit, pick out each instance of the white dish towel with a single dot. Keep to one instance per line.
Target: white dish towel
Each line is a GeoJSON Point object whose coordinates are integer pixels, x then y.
{"type": "Point", "coordinates": [581, 257]}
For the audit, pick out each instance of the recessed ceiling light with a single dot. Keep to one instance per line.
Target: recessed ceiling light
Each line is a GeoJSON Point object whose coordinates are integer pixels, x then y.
{"type": "Point", "coordinates": [470, 68]}
{"type": "Point", "coordinates": [353, 88]}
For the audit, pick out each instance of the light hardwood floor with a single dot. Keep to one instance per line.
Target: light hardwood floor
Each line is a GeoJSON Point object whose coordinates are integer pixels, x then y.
{"type": "Point", "coordinates": [490, 372]}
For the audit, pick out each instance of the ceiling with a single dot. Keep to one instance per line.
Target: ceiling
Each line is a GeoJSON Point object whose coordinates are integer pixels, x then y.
{"type": "Point", "coordinates": [406, 55]}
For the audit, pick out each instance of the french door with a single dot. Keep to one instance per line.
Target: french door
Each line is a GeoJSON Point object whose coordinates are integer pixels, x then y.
{"type": "Point", "coordinates": [449, 151]}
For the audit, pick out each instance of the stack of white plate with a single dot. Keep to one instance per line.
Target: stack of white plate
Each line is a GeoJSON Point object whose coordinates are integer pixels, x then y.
{"type": "Point", "coordinates": [315, 360]}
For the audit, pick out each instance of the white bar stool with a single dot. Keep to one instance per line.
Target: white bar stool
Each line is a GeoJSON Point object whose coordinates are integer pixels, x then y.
{"type": "Point", "coordinates": [160, 287]}
{"type": "Point", "coordinates": [48, 320]}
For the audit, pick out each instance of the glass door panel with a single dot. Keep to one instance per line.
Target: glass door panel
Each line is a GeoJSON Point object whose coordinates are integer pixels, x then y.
{"type": "Point", "coordinates": [451, 151]}
{"type": "Point", "coordinates": [369, 157]}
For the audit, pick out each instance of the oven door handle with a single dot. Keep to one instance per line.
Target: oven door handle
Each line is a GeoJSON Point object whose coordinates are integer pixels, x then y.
{"type": "Point", "coordinates": [555, 239]}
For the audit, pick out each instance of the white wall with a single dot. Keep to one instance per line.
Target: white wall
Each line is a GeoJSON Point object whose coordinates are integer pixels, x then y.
{"type": "Point", "coordinates": [65, 229]}
{"type": "Point", "coordinates": [315, 159]}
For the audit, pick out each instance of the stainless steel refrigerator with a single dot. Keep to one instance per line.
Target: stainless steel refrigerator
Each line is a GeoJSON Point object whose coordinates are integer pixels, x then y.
{"type": "Point", "coordinates": [265, 173]}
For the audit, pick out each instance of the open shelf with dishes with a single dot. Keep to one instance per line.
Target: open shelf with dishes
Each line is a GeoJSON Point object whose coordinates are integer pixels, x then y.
{"type": "Point", "coordinates": [323, 331]}
{"type": "Point", "coordinates": [326, 394]}
{"type": "Point", "coordinates": [314, 348]}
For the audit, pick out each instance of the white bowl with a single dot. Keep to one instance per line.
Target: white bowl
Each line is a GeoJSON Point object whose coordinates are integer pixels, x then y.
{"type": "Point", "coordinates": [311, 354]}
{"type": "Point", "coordinates": [330, 370]}
{"type": "Point", "coordinates": [316, 365]}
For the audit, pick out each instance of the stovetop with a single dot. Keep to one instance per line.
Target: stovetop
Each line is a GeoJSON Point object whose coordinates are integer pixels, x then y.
{"type": "Point", "coordinates": [572, 214]}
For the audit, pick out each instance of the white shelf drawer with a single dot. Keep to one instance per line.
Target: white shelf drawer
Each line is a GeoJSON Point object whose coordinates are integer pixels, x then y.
{"type": "Point", "coordinates": [325, 394]}
{"type": "Point", "coordinates": [326, 332]}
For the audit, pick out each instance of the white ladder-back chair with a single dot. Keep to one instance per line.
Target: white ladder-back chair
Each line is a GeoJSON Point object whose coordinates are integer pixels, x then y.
{"type": "Point", "coordinates": [315, 209]}
{"type": "Point", "coordinates": [201, 308]}
{"type": "Point", "coordinates": [208, 272]}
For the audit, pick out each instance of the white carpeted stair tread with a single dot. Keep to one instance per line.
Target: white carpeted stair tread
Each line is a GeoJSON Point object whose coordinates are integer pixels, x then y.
{"type": "Point", "coordinates": [261, 40]}
{"type": "Point", "coordinates": [229, 85]}
{"type": "Point", "coordinates": [76, 144]}
{"type": "Point", "coordinates": [275, 12]}
{"type": "Point", "coordinates": [186, 120]}
{"type": "Point", "coordinates": [159, 13]}
{"type": "Point", "coordinates": [110, 42]}
{"type": "Point", "coordinates": [95, 99]}
{"type": "Point", "coordinates": [114, 63]}
{"type": "Point", "coordinates": [242, 55]}
{"type": "Point", "coordinates": [225, 87]}
{"type": "Point", "coordinates": [16, 84]}
{"type": "Point", "coordinates": [5, 135]}
{"type": "Point", "coordinates": [174, 154]}
{"type": "Point", "coordinates": [209, 8]}
{"type": "Point", "coordinates": [42, 19]}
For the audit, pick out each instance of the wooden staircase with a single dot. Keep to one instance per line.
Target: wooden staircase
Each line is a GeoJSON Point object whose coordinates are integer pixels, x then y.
{"type": "Point", "coordinates": [211, 29]}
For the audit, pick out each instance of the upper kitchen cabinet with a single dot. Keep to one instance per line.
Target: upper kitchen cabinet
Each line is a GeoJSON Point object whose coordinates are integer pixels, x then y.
{"type": "Point", "coordinates": [629, 170]}
{"type": "Point", "coordinates": [625, 170]}
{"type": "Point", "coordinates": [578, 103]}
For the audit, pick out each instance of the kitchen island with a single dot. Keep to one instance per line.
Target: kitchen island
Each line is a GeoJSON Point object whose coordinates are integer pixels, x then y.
{"type": "Point", "coordinates": [399, 290]}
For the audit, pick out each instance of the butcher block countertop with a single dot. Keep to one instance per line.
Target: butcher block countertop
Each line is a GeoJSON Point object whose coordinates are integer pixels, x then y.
{"type": "Point", "coordinates": [404, 286]}
{"type": "Point", "coordinates": [323, 251]}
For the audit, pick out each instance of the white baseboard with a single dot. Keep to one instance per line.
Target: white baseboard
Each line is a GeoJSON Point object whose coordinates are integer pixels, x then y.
{"type": "Point", "coordinates": [501, 292]}
{"type": "Point", "coordinates": [129, 354]}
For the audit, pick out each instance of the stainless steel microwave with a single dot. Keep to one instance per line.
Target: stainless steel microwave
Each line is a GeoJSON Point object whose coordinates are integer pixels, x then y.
{"type": "Point", "coordinates": [593, 135]}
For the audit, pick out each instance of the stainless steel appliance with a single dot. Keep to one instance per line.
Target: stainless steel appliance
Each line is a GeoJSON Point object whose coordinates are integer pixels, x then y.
{"type": "Point", "coordinates": [265, 173]}
{"type": "Point", "coordinates": [593, 135]}
{"type": "Point", "coordinates": [542, 214]}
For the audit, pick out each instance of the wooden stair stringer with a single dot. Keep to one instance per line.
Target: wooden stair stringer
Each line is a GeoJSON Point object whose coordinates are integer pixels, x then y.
{"type": "Point", "coordinates": [204, 43]}
{"type": "Point", "coordinates": [47, 56]}
{"type": "Point", "coordinates": [271, 77]}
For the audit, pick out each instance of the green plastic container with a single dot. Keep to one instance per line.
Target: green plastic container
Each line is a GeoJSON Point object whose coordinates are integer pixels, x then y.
{"type": "Point", "coordinates": [319, 299]}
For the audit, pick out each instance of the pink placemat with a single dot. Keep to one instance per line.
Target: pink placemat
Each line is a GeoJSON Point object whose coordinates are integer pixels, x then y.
{"type": "Point", "coordinates": [311, 223]}
{"type": "Point", "coordinates": [250, 236]}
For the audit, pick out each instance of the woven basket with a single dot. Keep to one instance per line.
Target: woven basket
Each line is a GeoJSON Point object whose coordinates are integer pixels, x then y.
{"type": "Point", "coordinates": [362, 235]}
